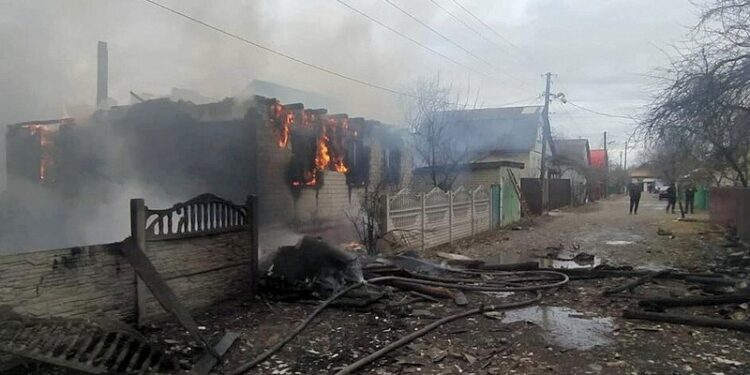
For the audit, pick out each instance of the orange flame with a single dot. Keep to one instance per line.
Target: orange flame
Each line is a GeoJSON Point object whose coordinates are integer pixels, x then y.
{"type": "Point", "coordinates": [330, 144]}
{"type": "Point", "coordinates": [323, 156]}
{"type": "Point", "coordinates": [46, 143]}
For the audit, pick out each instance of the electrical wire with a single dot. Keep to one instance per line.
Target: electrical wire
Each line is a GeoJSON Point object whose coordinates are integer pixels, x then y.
{"type": "Point", "coordinates": [486, 25]}
{"type": "Point", "coordinates": [416, 42]}
{"type": "Point", "coordinates": [278, 53]}
{"type": "Point", "coordinates": [449, 40]}
{"type": "Point", "coordinates": [600, 113]}
{"type": "Point", "coordinates": [287, 56]}
{"type": "Point", "coordinates": [466, 25]}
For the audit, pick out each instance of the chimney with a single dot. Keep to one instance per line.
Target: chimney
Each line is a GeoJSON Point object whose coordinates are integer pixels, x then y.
{"type": "Point", "coordinates": [102, 74]}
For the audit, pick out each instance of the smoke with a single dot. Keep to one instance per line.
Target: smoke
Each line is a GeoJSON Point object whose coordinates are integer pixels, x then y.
{"type": "Point", "coordinates": [50, 71]}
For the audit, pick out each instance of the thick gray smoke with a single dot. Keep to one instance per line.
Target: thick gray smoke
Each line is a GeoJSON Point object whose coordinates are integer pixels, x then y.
{"type": "Point", "coordinates": [597, 50]}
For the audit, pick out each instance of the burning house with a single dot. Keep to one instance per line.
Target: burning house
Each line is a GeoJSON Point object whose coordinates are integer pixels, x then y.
{"type": "Point", "coordinates": [314, 166]}
{"type": "Point", "coordinates": [308, 167]}
{"type": "Point", "coordinates": [32, 150]}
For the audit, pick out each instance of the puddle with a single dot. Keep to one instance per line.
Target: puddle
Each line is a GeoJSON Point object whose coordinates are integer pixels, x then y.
{"type": "Point", "coordinates": [619, 243]}
{"type": "Point", "coordinates": [564, 327]}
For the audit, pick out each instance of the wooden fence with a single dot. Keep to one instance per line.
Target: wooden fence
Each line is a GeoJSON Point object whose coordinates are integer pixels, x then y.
{"type": "Point", "coordinates": [437, 217]}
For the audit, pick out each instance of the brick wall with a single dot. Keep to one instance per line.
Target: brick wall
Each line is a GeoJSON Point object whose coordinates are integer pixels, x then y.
{"type": "Point", "coordinates": [96, 281]}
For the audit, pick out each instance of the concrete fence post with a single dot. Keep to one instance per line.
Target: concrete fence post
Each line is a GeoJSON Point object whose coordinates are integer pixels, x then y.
{"type": "Point", "coordinates": [138, 235]}
{"type": "Point", "coordinates": [251, 207]}
{"type": "Point", "coordinates": [450, 217]}
{"type": "Point", "coordinates": [424, 218]}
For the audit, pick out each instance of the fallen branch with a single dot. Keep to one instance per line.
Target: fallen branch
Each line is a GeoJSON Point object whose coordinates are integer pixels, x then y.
{"type": "Point", "coordinates": [696, 301]}
{"type": "Point", "coordinates": [634, 283]}
{"type": "Point", "coordinates": [687, 320]}
{"type": "Point", "coordinates": [430, 327]}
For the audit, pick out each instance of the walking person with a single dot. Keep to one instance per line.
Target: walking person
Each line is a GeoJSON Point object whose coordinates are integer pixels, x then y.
{"type": "Point", "coordinates": [690, 199]}
{"type": "Point", "coordinates": [634, 190]}
{"type": "Point", "coordinates": [671, 197]}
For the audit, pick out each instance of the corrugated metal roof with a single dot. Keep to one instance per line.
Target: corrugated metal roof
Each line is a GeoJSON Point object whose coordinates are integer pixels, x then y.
{"type": "Point", "coordinates": [511, 129]}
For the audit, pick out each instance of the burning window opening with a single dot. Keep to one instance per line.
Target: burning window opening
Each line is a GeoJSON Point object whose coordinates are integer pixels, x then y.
{"type": "Point", "coordinates": [40, 147]}
{"type": "Point", "coordinates": [331, 134]}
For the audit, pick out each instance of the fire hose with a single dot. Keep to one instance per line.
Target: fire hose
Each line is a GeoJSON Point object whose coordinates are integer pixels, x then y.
{"type": "Point", "coordinates": [433, 281]}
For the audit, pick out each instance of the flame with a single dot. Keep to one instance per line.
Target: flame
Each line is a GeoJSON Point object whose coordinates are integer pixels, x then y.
{"type": "Point", "coordinates": [282, 119]}
{"type": "Point", "coordinates": [330, 144]}
{"type": "Point", "coordinates": [286, 128]}
{"type": "Point", "coordinates": [323, 156]}
{"type": "Point", "coordinates": [46, 144]}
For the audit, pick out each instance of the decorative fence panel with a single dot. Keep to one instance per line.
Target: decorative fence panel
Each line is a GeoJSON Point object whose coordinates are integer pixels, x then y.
{"type": "Point", "coordinates": [437, 217]}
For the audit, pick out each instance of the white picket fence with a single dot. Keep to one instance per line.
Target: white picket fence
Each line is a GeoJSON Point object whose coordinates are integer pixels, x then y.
{"type": "Point", "coordinates": [437, 217]}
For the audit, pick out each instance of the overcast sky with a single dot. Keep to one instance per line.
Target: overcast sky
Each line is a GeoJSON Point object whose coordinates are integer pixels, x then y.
{"type": "Point", "coordinates": [599, 50]}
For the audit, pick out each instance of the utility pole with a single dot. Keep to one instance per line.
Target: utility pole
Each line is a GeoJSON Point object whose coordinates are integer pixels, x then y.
{"type": "Point", "coordinates": [626, 155]}
{"type": "Point", "coordinates": [620, 159]}
{"type": "Point", "coordinates": [606, 167]}
{"type": "Point", "coordinates": [545, 138]}
{"type": "Point", "coordinates": [545, 128]}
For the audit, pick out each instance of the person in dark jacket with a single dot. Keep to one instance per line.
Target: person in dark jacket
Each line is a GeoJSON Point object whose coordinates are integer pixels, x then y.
{"type": "Point", "coordinates": [671, 197]}
{"type": "Point", "coordinates": [690, 199]}
{"type": "Point", "coordinates": [634, 190]}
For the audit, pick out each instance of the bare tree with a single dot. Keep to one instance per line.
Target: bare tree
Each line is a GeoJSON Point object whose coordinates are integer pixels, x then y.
{"type": "Point", "coordinates": [429, 115]}
{"type": "Point", "coordinates": [704, 112]}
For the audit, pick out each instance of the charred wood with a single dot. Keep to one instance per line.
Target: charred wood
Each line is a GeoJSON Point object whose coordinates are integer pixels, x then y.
{"type": "Point", "coordinates": [687, 320]}
{"type": "Point", "coordinates": [696, 301]}
{"type": "Point", "coordinates": [634, 283]}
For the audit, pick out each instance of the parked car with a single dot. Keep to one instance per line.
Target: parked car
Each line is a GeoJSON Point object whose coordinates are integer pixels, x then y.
{"type": "Point", "coordinates": [662, 191]}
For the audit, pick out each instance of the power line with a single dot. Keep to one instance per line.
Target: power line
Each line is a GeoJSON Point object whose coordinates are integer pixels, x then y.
{"type": "Point", "coordinates": [601, 113]}
{"type": "Point", "coordinates": [284, 55]}
{"type": "Point", "coordinates": [475, 31]}
{"type": "Point", "coordinates": [485, 25]}
{"type": "Point", "coordinates": [441, 35]}
{"type": "Point", "coordinates": [277, 53]}
{"type": "Point", "coordinates": [363, 14]}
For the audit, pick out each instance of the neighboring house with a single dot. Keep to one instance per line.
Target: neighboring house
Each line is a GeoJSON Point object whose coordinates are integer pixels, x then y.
{"type": "Point", "coordinates": [572, 161]}
{"type": "Point", "coordinates": [501, 134]}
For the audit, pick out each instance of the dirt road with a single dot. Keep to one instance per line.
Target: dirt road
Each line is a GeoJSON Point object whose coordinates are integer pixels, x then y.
{"type": "Point", "coordinates": [605, 229]}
